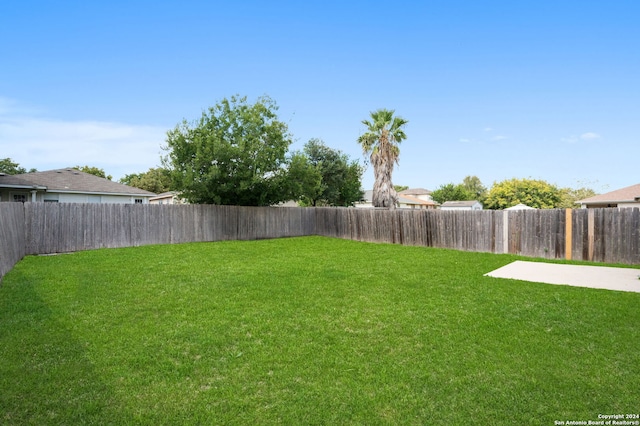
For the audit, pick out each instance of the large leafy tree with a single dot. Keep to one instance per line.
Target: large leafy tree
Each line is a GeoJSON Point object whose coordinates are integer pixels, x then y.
{"type": "Point", "coordinates": [471, 188]}
{"type": "Point", "coordinates": [156, 180]}
{"type": "Point", "coordinates": [9, 167]}
{"type": "Point", "coordinates": [534, 193]}
{"type": "Point", "coordinates": [339, 182]}
{"type": "Point", "coordinates": [234, 154]}
{"type": "Point", "coordinates": [381, 142]}
{"type": "Point", "coordinates": [570, 196]}
{"type": "Point", "coordinates": [451, 192]}
{"type": "Point", "coordinates": [304, 180]}
{"type": "Point", "coordinates": [474, 186]}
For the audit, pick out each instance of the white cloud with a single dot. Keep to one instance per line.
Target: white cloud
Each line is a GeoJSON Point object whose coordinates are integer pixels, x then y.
{"type": "Point", "coordinates": [498, 138]}
{"type": "Point", "coordinates": [583, 137]}
{"type": "Point", "coordinates": [465, 140]}
{"type": "Point", "coordinates": [570, 139]}
{"type": "Point", "coordinates": [488, 129]}
{"type": "Point", "coordinates": [44, 144]}
{"type": "Point", "coordinates": [589, 136]}
{"type": "Point", "coordinates": [13, 107]}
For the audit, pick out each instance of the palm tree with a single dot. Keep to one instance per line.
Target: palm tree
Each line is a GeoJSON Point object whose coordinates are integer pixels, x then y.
{"type": "Point", "coordinates": [380, 142]}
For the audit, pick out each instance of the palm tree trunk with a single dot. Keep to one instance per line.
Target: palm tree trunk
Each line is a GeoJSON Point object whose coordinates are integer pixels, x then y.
{"type": "Point", "coordinates": [384, 195]}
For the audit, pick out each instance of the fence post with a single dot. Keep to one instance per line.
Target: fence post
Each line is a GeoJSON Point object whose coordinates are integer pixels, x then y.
{"type": "Point", "coordinates": [591, 227]}
{"type": "Point", "coordinates": [505, 231]}
{"type": "Point", "coordinates": [568, 234]}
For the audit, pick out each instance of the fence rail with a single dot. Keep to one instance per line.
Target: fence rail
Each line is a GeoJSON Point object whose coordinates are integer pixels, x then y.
{"type": "Point", "coordinates": [602, 235]}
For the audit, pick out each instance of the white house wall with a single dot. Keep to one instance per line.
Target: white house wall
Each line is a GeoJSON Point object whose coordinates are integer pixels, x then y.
{"type": "Point", "coordinates": [364, 205]}
{"type": "Point", "coordinates": [627, 205]}
{"type": "Point", "coordinates": [90, 198]}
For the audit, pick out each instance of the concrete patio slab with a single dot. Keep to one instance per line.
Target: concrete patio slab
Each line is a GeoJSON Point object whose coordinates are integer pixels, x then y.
{"type": "Point", "coordinates": [603, 277]}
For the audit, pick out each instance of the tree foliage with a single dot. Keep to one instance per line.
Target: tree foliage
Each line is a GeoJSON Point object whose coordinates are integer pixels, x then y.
{"type": "Point", "coordinates": [234, 154]}
{"type": "Point", "coordinates": [304, 181]}
{"type": "Point", "coordinates": [451, 192]}
{"type": "Point", "coordinates": [157, 180]}
{"type": "Point", "coordinates": [381, 142]}
{"type": "Point", "coordinates": [534, 193]}
{"type": "Point", "coordinates": [331, 179]}
{"type": "Point", "coordinates": [93, 171]}
{"type": "Point", "coordinates": [9, 167]}
{"type": "Point", "coordinates": [474, 186]}
{"type": "Point", "coordinates": [569, 196]}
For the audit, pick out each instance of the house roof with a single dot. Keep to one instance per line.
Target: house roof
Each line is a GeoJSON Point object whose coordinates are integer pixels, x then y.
{"type": "Point", "coordinates": [70, 180]}
{"type": "Point", "coordinates": [168, 194]}
{"type": "Point", "coordinates": [14, 181]}
{"type": "Point", "coordinates": [402, 198]}
{"type": "Point", "coordinates": [459, 203]}
{"type": "Point", "coordinates": [408, 199]}
{"type": "Point", "coordinates": [520, 207]}
{"type": "Point", "coordinates": [629, 194]}
{"type": "Point", "coordinates": [415, 191]}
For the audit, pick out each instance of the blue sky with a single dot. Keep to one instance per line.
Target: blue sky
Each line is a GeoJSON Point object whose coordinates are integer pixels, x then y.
{"type": "Point", "coordinates": [498, 89]}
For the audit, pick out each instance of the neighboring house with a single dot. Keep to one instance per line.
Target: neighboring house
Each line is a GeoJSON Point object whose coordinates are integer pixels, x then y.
{"type": "Point", "coordinates": [68, 186]}
{"type": "Point", "coordinates": [367, 200]}
{"type": "Point", "coordinates": [520, 207]}
{"type": "Point", "coordinates": [171, 197]}
{"type": "Point", "coordinates": [404, 201]}
{"type": "Point", "coordinates": [625, 197]}
{"type": "Point", "coordinates": [290, 203]}
{"type": "Point", "coordinates": [461, 205]}
{"type": "Point", "coordinates": [416, 198]}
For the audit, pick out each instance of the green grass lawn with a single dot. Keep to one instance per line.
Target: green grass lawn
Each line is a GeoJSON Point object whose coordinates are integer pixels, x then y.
{"type": "Point", "coordinates": [307, 331]}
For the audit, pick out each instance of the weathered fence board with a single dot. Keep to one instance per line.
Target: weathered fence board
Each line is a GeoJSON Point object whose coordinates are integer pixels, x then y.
{"type": "Point", "coordinates": [12, 237]}
{"type": "Point", "coordinates": [602, 235]}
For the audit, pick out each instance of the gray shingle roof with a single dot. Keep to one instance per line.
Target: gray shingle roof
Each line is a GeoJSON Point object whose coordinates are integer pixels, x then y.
{"type": "Point", "coordinates": [408, 199]}
{"type": "Point", "coordinates": [71, 180]}
{"type": "Point", "coordinates": [459, 203]}
{"type": "Point", "coordinates": [13, 181]}
{"type": "Point", "coordinates": [402, 198]}
{"type": "Point", "coordinates": [415, 191]}
{"type": "Point", "coordinates": [628, 194]}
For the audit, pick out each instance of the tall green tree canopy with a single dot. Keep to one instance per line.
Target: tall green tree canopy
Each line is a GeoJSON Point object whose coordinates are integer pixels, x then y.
{"type": "Point", "coordinates": [381, 142]}
{"type": "Point", "coordinates": [9, 167]}
{"type": "Point", "coordinates": [234, 154]}
{"type": "Point", "coordinates": [474, 186]}
{"type": "Point", "coordinates": [156, 180]}
{"type": "Point", "coordinates": [304, 180]}
{"type": "Point", "coordinates": [325, 177]}
{"type": "Point", "coordinates": [451, 192]}
{"type": "Point", "coordinates": [571, 195]}
{"type": "Point", "coordinates": [534, 193]}
{"type": "Point", "coordinates": [471, 188]}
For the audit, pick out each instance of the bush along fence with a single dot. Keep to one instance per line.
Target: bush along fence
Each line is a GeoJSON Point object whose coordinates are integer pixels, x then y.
{"type": "Point", "coordinates": [601, 235]}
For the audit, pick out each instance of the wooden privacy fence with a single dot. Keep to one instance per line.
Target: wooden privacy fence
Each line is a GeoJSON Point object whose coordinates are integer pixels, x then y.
{"type": "Point", "coordinates": [12, 239]}
{"type": "Point", "coordinates": [599, 235]}
{"type": "Point", "coordinates": [602, 235]}
{"type": "Point", "coordinates": [66, 227]}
